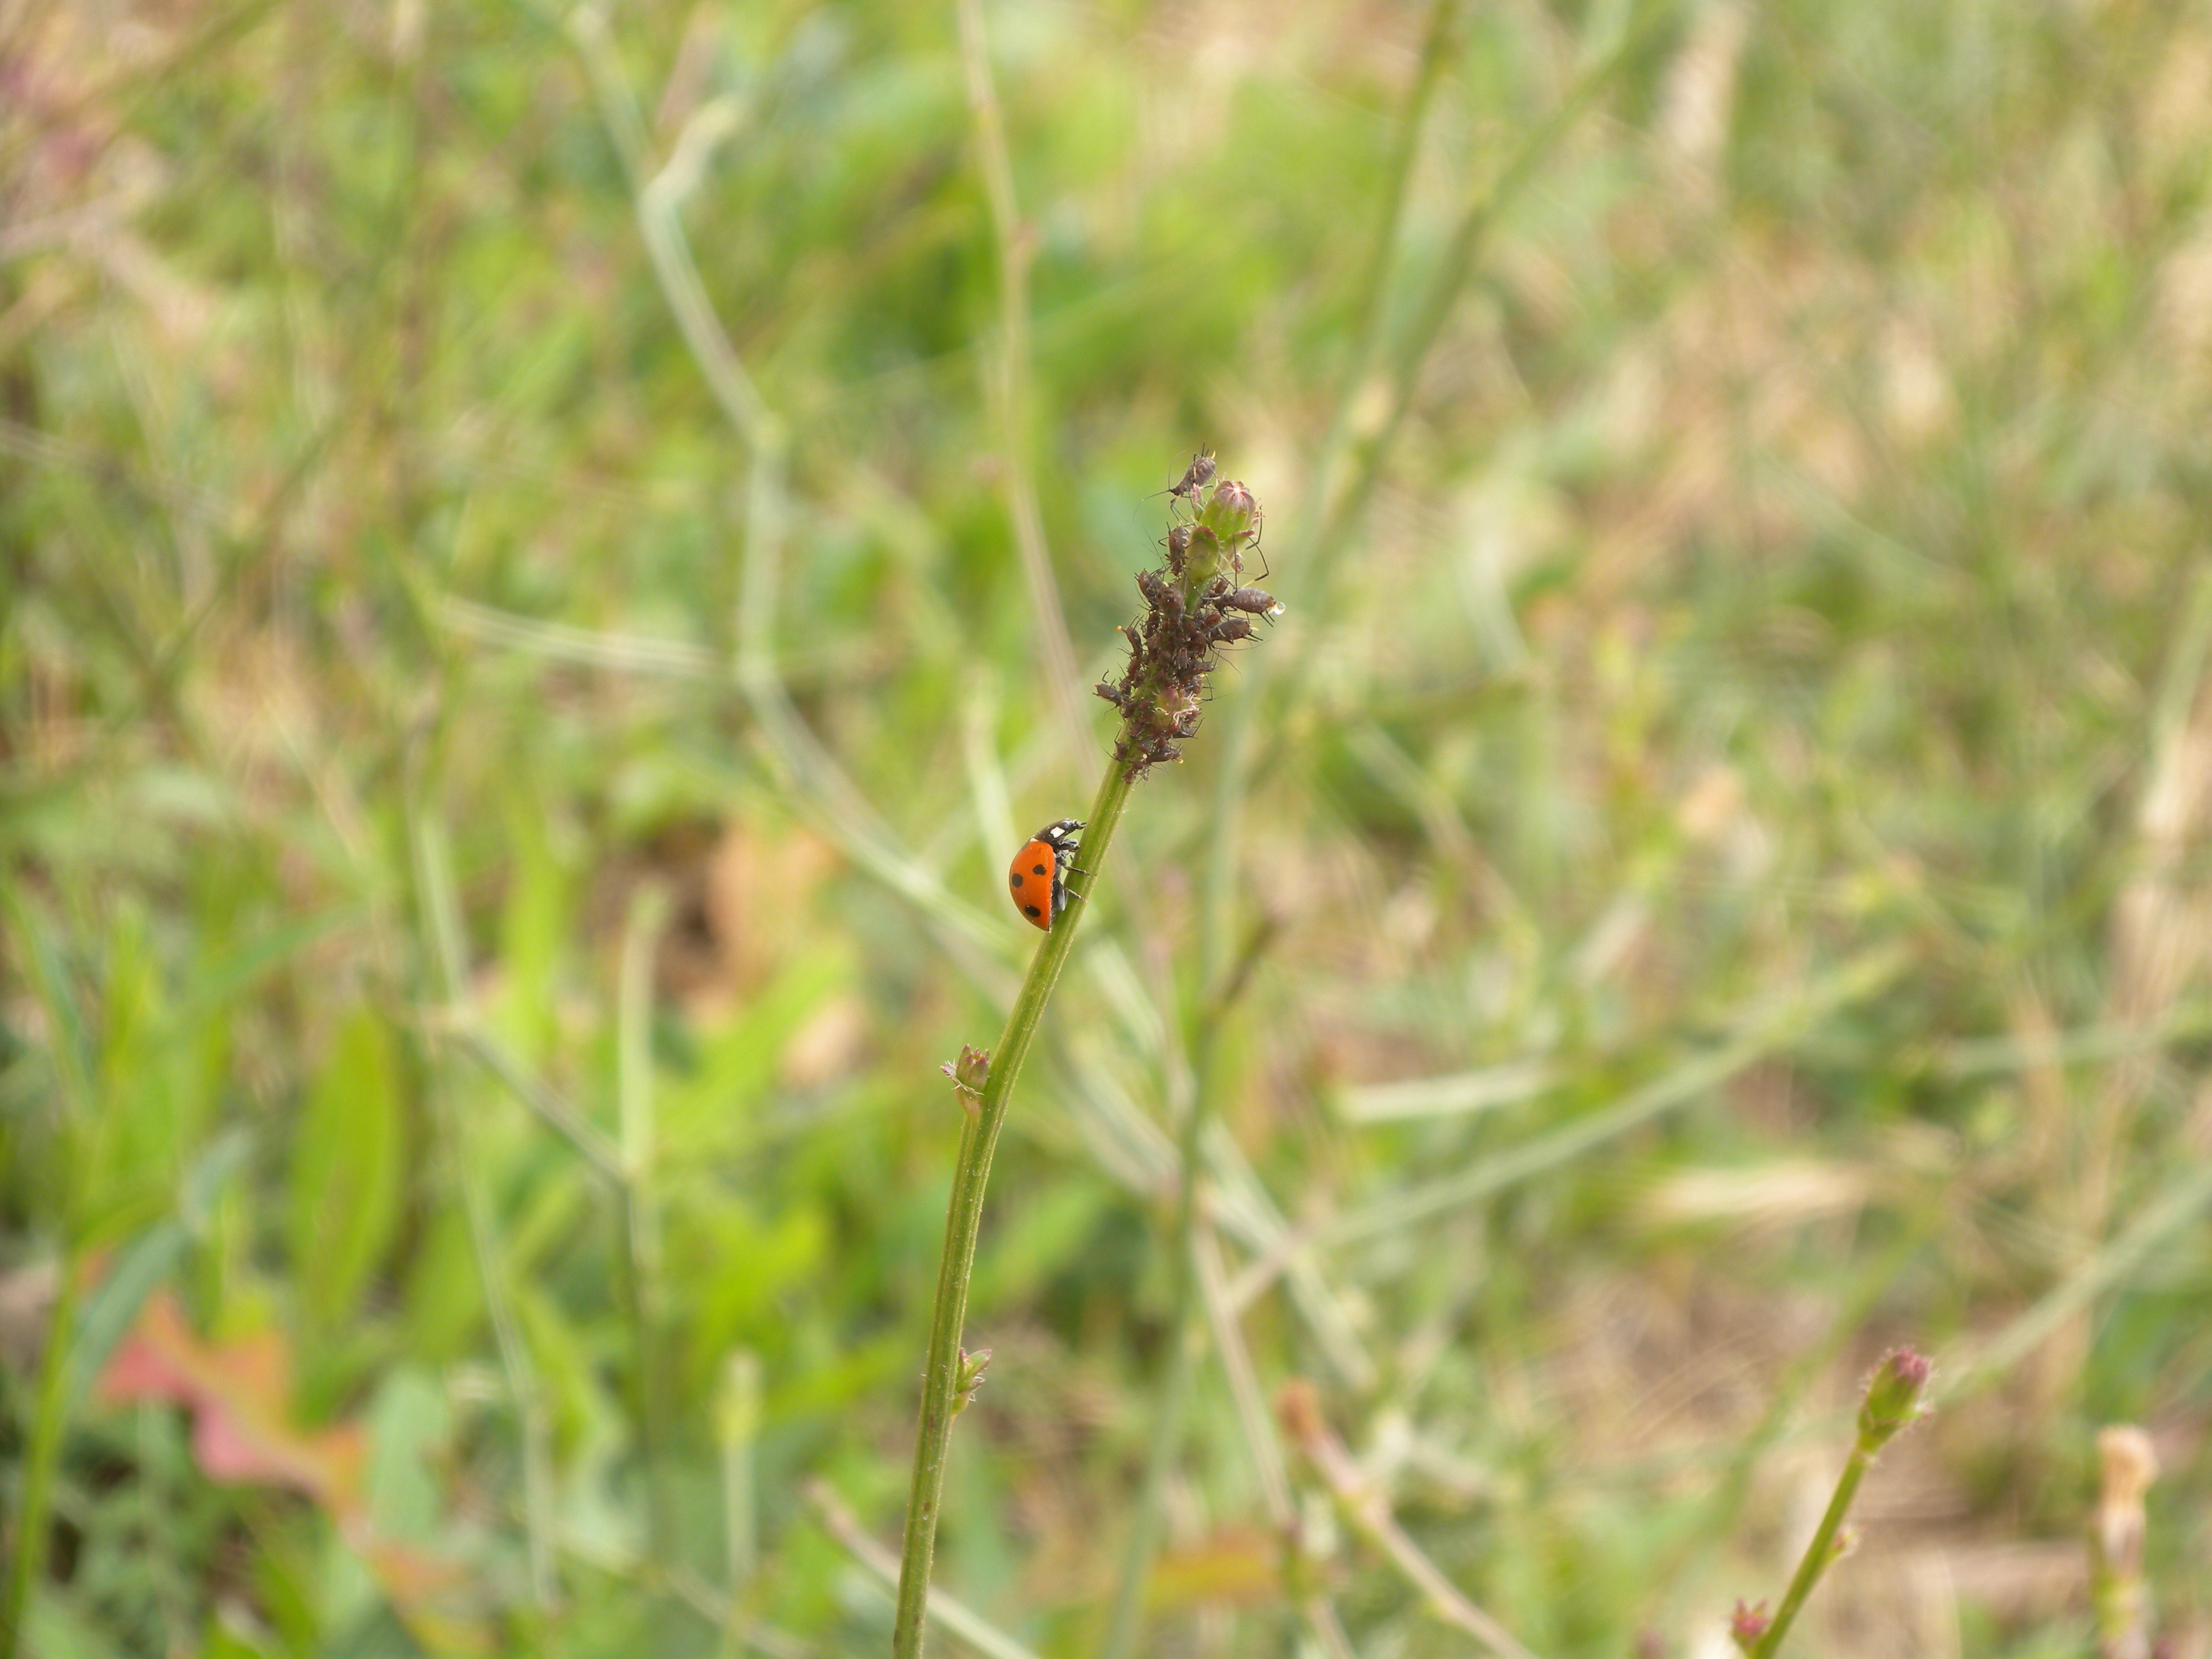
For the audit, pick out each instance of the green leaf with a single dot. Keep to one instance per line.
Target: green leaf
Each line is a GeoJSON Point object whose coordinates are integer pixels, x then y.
{"type": "Point", "coordinates": [719, 1103]}
{"type": "Point", "coordinates": [346, 1164]}
{"type": "Point", "coordinates": [410, 1424]}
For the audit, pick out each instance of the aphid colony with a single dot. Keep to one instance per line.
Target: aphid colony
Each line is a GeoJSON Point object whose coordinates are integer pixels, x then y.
{"type": "Point", "coordinates": [1194, 605]}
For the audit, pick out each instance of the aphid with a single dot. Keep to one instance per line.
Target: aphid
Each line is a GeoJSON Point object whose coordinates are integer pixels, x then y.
{"type": "Point", "coordinates": [1258, 601]}
{"type": "Point", "coordinates": [1178, 547]}
{"type": "Point", "coordinates": [1195, 477]}
{"type": "Point", "coordinates": [1164, 597]}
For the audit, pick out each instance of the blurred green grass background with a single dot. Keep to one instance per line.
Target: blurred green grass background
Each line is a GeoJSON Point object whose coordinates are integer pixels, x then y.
{"type": "Point", "coordinates": [551, 556]}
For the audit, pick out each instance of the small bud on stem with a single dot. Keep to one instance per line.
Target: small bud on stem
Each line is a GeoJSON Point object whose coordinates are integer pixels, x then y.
{"type": "Point", "coordinates": [968, 1074]}
{"type": "Point", "coordinates": [1892, 1403]}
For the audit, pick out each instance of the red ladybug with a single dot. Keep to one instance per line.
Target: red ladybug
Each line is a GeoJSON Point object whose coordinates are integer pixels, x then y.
{"type": "Point", "coordinates": [1038, 871]}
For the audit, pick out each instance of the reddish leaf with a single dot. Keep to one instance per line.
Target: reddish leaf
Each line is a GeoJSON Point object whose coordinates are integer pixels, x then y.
{"type": "Point", "coordinates": [239, 1393]}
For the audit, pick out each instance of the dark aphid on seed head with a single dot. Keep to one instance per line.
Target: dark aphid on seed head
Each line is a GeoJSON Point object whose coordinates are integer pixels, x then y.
{"type": "Point", "coordinates": [1232, 628]}
{"type": "Point", "coordinates": [1178, 547]}
{"type": "Point", "coordinates": [1159, 592]}
{"type": "Point", "coordinates": [1195, 477]}
{"type": "Point", "coordinates": [1258, 601]}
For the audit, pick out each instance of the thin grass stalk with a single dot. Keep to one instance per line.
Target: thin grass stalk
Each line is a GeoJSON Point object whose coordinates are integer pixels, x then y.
{"type": "Point", "coordinates": [1718, 1518]}
{"type": "Point", "coordinates": [1891, 1404]}
{"type": "Point", "coordinates": [818, 787]}
{"type": "Point", "coordinates": [1333, 504]}
{"type": "Point", "coordinates": [1439, 46]}
{"type": "Point", "coordinates": [1174, 1397]}
{"type": "Point", "coordinates": [971, 1173]}
{"type": "Point", "coordinates": [1367, 1509]}
{"type": "Point", "coordinates": [1194, 605]}
{"type": "Point", "coordinates": [1818, 1553]}
{"type": "Point", "coordinates": [652, 1391]}
{"type": "Point", "coordinates": [582, 1136]}
{"type": "Point", "coordinates": [738, 1418]}
{"type": "Point", "coordinates": [42, 1456]}
{"type": "Point", "coordinates": [1011, 382]}
{"type": "Point", "coordinates": [1777, 1023]}
{"type": "Point", "coordinates": [440, 922]}
{"type": "Point", "coordinates": [1257, 1424]}
{"type": "Point", "coordinates": [1185, 1308]}
{"type": "Point", "coordinates": [1484, 209]}
{"type": "Point", "coordinates": [961, 1621]}
{"type": "Point", "coordinates": [2156, 1220]}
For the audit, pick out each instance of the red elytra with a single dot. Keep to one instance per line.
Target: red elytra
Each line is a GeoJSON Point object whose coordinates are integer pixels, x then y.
{"type": "Point", "coordinates": [1037, 876]}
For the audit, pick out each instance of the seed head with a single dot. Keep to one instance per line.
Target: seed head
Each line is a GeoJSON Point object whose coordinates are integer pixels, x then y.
{"type": "Point", "coordinates": [1193, 608]}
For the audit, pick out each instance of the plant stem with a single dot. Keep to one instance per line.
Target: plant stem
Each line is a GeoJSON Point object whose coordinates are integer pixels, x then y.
{"type": "Point", "coordinates": [1367, 1509]}
{"type": "Point", "coordinates": [639, 1259]}
{"type": "Point", "coordinates": [81, 1107]}
{"type": "Point", "coordinates": [1008, 380]}
{"type": "Point", "coordinates": [43, 1456]}
{"type": "Point", "coordinates": [439, 904]}
{"type": "Point", "coordinates": [1818, 1553]}
{"type": "Point", "coordinates": [1174, 1392]}
{"type": "Point", "coordinates": [1892, 1403]}
{"type": "Point", "coordinates": [1204, 1038]}
{"type": "Point", "coordinates": [964, 1215]}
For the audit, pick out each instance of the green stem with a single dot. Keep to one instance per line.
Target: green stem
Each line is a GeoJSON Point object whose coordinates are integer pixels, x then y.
{"type": "Point", "coordinates": [43, 1458]}
{"type": "Point", "coordinates": [1715, 1520]}
{"type": "Point", "coordinates": [652, 1392]}
{"type": "Point", "coordinates": [82, 1121]}
{"type": "Point", "coordinates": [1204, 1040]}
{"type": "Point", "coordinates": [964, 1217]}
{"type": "Point", "coordinates": [1818, 1553]}
{"type": "Point", "coordinates": [1174, 1392]}
{"type": "Point", "coordinates": [439, 904]}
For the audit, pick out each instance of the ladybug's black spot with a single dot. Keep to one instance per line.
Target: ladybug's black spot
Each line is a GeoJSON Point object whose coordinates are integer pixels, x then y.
{"type": "Point", "coordinates": [1031, 910]}
{"type": "Point", "coordinates": [1039, 869]}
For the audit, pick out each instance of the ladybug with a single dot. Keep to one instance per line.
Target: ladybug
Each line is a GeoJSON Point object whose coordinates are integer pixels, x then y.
{"type": "Point", "coordinates": [1038, 875]}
